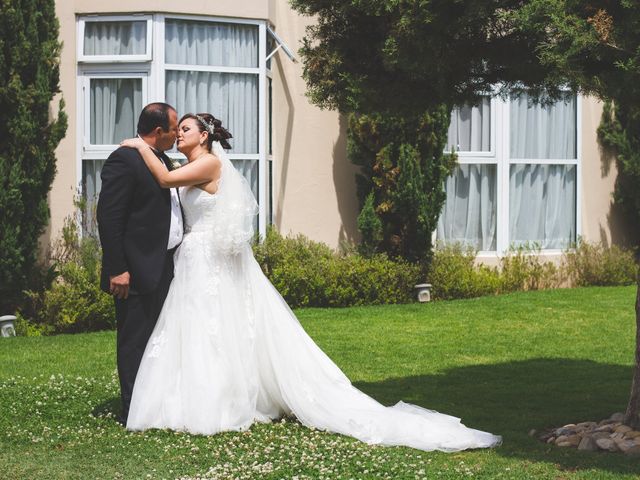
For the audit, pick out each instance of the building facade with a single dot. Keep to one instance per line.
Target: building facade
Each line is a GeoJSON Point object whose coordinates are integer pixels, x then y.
{"type": "Point", "coordinates": [527, 173]}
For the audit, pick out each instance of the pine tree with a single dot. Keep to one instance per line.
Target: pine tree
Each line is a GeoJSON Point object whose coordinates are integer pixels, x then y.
{"type": "Point", "coordinates": [403, 168]}
{"type": "Point", "coordinates": [29, 79]}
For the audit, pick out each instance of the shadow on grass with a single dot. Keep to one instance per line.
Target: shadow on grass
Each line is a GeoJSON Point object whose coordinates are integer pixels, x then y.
{"type": "Point", "coordinates": [108, 408]}
{"type": "Point", "coordinates": [513, 398]}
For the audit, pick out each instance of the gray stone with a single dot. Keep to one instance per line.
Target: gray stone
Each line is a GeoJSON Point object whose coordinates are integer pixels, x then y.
{"type": "Point", "coordinates": [561, 439]}
{"type": "Point", "coordinates": [635, 451]}
{"type": "Point", "coordinates": [599, 435]}
{"type": "Point", "coordinates": [617, 417]}
{"type": "Point", "coordinates": [603, 428]}
{"type": "Point", "coordinates": [588, 444]}
{"type": "Point", "coordinates": [607, 444]}
{"type": "Point", "coordinates": [625, 445]}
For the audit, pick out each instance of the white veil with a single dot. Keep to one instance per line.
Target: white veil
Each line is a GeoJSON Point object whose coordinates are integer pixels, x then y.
{"type": "Point", "coordinates": [236, 208]}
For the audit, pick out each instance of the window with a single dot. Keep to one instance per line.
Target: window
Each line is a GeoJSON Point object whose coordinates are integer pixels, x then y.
{"type": "Point", "coordinates": [197, 64]}
{"type": "Point", "coordinates": [516, 181]}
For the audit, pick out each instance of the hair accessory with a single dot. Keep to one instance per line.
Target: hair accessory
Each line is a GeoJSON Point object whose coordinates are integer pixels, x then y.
{"type": "Point", "coordinates": [206, 125]}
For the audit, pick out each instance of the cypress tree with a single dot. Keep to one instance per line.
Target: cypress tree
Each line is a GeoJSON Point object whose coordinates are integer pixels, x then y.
{"type": "Point", "coordinates": [29, 79]}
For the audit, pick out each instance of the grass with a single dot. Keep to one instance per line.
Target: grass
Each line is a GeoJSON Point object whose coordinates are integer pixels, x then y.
{"type": "Point", "coordinates": [504, 364]}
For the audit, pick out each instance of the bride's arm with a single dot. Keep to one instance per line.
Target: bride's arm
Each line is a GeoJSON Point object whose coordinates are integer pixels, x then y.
{"type": "Point", "coordinates": [204, 170]}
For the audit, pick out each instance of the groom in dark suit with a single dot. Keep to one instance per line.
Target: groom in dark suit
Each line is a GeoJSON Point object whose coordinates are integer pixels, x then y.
{"type": "Point", "coordinates": [140, 226]}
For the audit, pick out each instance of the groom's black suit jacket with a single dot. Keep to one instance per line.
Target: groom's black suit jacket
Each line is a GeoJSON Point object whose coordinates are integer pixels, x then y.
{"type": "Point", "coordinates": [134, 217]}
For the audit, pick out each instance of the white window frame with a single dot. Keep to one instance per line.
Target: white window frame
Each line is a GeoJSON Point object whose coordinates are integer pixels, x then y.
{"type": "Point", "coordinates": [81, 23]}
{"type": "Point", "coordinates": [152, 67]}
{"type": "Point", "coordinates": [500, 156]}
{"type": "Point", "coordinates": [98, 149]}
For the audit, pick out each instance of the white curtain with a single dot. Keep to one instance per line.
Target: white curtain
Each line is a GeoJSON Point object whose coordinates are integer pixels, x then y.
{"type": "Point", "coordinates": [542, 206]}
{"type": "Point", "coordinates": [92, 183]}
{"type": "Point", "coordinates": [231, 97]}
{"type": "Point", "coordinates": [539, 131]}
{"type": "Point", "coordinates": [115, 105]}
{"type": "Point", "coordinates": [115, 38]}
{"type": "Point", "coordinates": [213, 44]}
{"type": "Point", "coordinates": [469, 212]}
{"type": "Point", "coordinates": [470, 128]}
{"type": "Point", "coordinates": [248, 168]}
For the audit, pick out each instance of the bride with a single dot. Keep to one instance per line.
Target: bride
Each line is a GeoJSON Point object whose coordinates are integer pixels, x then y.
{"type": "Point", "coordinates": [227, 351]}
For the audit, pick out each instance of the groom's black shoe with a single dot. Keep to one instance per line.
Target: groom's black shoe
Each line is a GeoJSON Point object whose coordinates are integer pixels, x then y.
{"type": "Point", "coordinates": [121, 420]}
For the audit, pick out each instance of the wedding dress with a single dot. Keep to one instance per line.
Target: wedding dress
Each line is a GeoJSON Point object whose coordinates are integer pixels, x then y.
{"type": "Point", "coordinates": [227, 351]}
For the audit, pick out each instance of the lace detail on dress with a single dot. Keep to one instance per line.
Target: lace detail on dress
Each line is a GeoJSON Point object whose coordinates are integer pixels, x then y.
{"type": "Point", "coordinates": [157, 342]}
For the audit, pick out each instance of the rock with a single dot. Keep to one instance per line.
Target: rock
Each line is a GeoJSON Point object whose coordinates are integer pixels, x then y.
{"type": "Point", "coordinates": [588, 444]}
{"type": "Point", "coordinates": [551, 439]}
{"type": "Point", "coordinates": [625, 445]}
{"type": "Point", "coordinates": [563, 431]}
{"type": "Point", "coordinates": [569, 425]}
{"type": "Point", "coordinates": [635, 450]}
{"type": "Point", "coordinates": [586, 424]}
{"type": "Point", "coordinates": [603, 428]}
{"type": "Point", "coordinates": [617, 417]}
{"type": "Point", "coordinates": [616, 435]}
{"type": "Point", "coordinates": [561, 439]}
{"type": "Point", "coordinates": [564, 444]}
{"type": "Point", "coordinates": [623, 429]}
{"type": "Point", "coordinates": [607, 444]}
{"type": "Point", "coordinates": [632, 434]}
{"type": "Point", "coordinates": [574, 440]}
{"type": "Point", "coordinates": [532, 432]}
{"type": "Point", "coordinates": [599, 435]}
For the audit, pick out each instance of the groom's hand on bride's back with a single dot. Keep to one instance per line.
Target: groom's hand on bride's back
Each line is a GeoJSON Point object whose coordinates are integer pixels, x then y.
{"type": "Point", "coordinates": [119, 285]}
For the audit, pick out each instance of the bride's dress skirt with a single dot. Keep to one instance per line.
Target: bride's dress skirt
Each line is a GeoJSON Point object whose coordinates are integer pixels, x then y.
{"type": "Point", "coordinates": [227, 351]}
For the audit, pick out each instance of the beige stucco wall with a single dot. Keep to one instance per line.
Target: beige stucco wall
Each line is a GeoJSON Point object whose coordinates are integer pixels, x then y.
{"type": "Point", "coordinates": [314, 187]}
{"type": "Point", "coordinates": [314, 191]}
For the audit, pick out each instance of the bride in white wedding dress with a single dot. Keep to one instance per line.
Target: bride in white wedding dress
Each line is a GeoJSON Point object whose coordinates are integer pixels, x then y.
{"type": "Point", "coordinates": [227, 351]}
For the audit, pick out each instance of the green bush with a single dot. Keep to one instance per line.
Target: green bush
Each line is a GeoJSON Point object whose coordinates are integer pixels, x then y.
{"type": "Point", "coordinates": [523, 269]}
{"type": "Point", "coordinates": [311, 274]}
{"type": "Point", "coordinates": [594, 264]}
{"type": "Point", "coordinates": [73, 302]}
{"type": "Point", "coordinates": [454, 274]}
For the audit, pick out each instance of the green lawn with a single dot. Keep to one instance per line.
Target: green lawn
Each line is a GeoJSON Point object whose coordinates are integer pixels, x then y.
{"type": "Point", "coordinates": [504, 364]}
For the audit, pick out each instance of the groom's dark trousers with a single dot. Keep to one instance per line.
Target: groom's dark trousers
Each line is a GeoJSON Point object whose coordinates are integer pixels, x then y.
{"type": "Point", "coordinates": [134, 217]}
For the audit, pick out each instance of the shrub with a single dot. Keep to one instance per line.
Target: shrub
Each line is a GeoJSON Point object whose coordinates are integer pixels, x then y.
{"type": "Point", "coordinates": [453, 274]}
{"type": "Point", "coordinates": [308, 273]}
{"type": "Point", "coordinates": [594, 264]}
{"type": "Point", "coordinates": [522, 269]}
{"type": "Point", "coordinates": [73, 302]}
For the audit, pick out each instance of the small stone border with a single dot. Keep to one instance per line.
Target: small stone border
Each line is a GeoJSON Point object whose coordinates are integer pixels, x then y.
{"type": "Point", "coordinates": [608, 435]}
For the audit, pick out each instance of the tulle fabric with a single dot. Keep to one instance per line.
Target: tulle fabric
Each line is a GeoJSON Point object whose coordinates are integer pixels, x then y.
{"type": "Point", "coordinates": [227, 352]}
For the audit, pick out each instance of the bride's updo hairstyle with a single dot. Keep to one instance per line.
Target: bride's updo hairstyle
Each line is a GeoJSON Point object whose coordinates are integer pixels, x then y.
{"type": "Point", "coordinates": [210, 124]}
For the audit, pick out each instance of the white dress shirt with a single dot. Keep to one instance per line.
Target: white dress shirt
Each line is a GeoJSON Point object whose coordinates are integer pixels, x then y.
{"type": "Point", "coordinates": [176, 229]}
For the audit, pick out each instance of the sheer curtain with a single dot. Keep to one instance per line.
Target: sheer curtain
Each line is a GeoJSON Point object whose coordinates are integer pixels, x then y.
{"type": "Point", "coordinates": [542, 207]}
{"type": "Point", "coordinates": [214, 44]}
{"type": "Point", "coordinates": [539, 131]}
{"type": "Point", "coordinates": [115, 104]}
{"type": "Point", "coordinates": [469, 213]}
{"type": "Point", "coordinates": [231, 97]}
{"type": "Point", "coordinates": [92, 183]}
{"type": "Point", "coordinates": [470, 128]}
{"type": "Point", "coordinates": [542, 198]}
{"type": "Point", "coordinates": [115, 38]}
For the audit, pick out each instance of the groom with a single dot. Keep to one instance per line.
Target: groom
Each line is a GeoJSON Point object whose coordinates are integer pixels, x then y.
{"type": "Point", "coordinates": [140, 226]}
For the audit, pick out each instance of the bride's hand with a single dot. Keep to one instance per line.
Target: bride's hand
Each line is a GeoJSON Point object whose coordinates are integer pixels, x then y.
{"type": "Point", "coordinates": [135, 142]}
